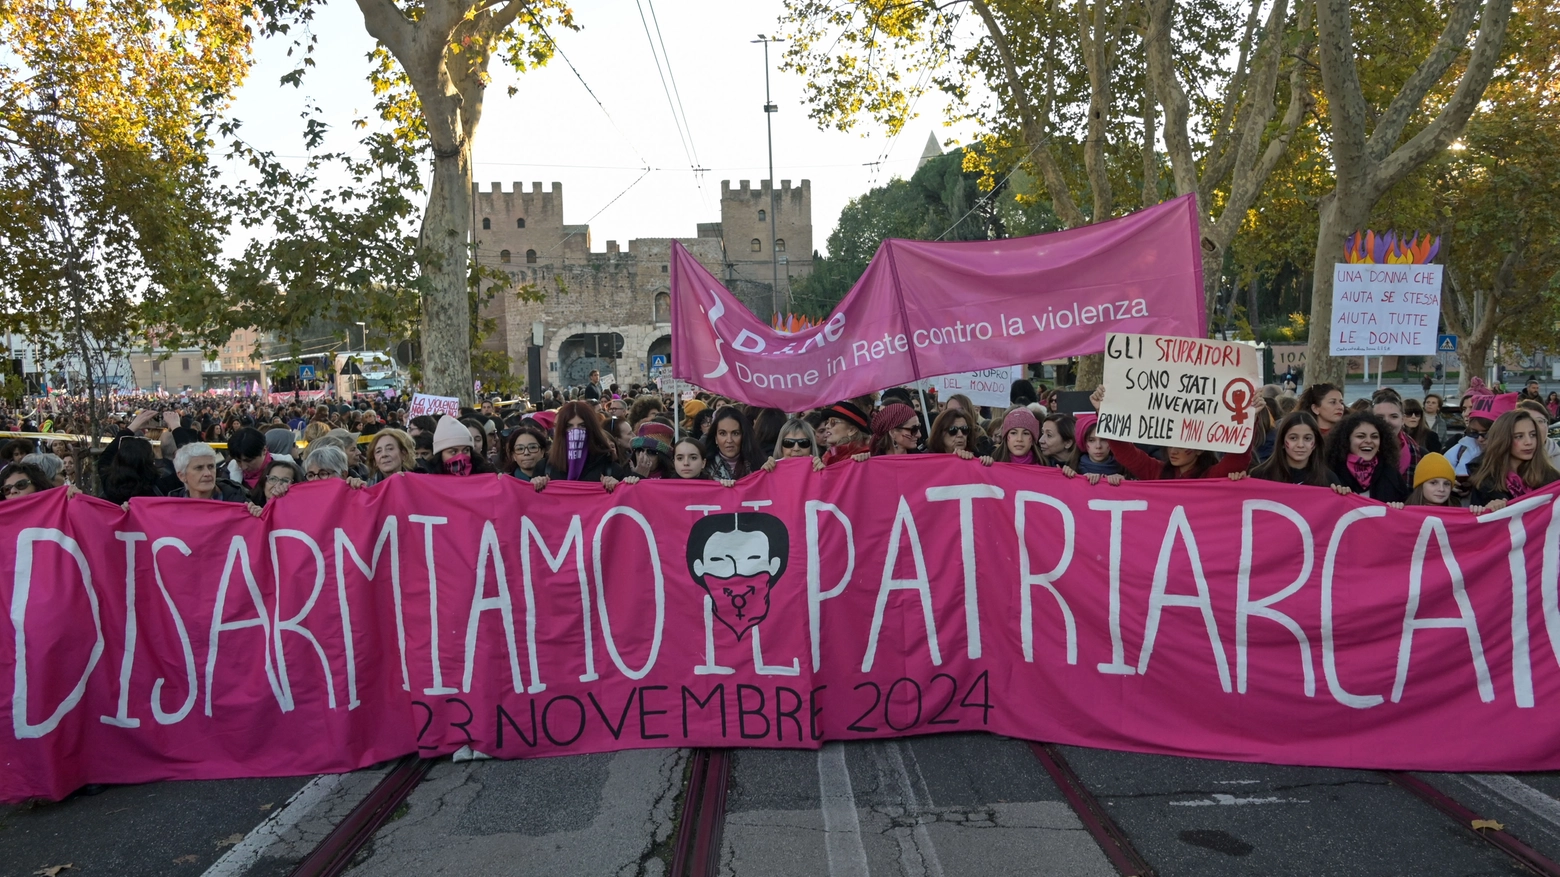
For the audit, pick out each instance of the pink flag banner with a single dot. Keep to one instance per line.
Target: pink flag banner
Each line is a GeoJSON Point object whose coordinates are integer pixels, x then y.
{"type": "Point", "coordinates": [924, 309]}
{"type": "Point", "coordinates": [1249, 621]}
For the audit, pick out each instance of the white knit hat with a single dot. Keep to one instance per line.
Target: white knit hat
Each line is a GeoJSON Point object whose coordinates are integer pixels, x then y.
{"type": "Point", "coordinates": [451, 433]}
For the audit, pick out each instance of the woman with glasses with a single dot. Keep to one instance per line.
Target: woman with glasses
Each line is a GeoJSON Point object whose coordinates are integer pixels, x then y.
{"type": "Point", "coordinates": [953, 432]}
{"type": "Point", "coordinates": [525, 456]}
{"type": "Point", "coordinates": [1464, 456]}
{"type": "Point", "coordinates": [896, 429]}
{"type": "Point", "coordinates": [650, 452]}
{"type": "Point", "coordinates": [1417, 427]}
{"type": "Point", "coordinates": [22, 479]}
{"type": "Point", "coordinates": [277, 478]}
{"type": "Point", "coordinates": [329, 461]}
{"type": "Point", "coordinates": [797, 439]}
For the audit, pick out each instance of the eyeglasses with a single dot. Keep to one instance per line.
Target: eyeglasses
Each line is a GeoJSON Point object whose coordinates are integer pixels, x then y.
{"type": "Point", "coordinates": [796, 443]}
{"type": "Point", "coordinates": [16, 488]}
{"type": "Point", "coordinates": [528, 449]}
{"type": "Point", "coordinates": [958, 430]}
{"type": "Point", "coordinates": [320, 474]}
{"type": "Point", "coordinates": [913, 430]}
{"type": "Point", "coordinates": [272, 479]}
{"type": "Point", "coordinates": [1478, 435]}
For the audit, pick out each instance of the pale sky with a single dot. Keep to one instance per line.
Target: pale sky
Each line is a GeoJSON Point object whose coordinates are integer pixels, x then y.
{"type": "Point", "coordinates": [552, 130]}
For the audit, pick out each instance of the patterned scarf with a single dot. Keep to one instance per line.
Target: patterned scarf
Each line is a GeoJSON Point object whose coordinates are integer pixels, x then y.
{"type": "Point", "coordinates": [576, 448]}
{"type": "Point", "coordinates": [1405, 456]}
{"type": "Point", "coordinates": [1362, 470]}
{"type": "Point", "coordinates": [1087, 466]}
{"type": "Point", "coordinates": [1515, 486]}
{"type": "Point", "coordinates": [459, 464]}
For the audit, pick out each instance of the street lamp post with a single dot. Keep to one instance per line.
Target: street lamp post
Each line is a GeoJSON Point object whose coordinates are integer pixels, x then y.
{"type": "Point", "coordinates": [769, 110]}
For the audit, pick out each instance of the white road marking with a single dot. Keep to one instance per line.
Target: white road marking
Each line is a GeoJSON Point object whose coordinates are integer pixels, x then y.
{"type": "Point", "coordinates": [1221, 800]}
{"type": "Point", "coordinates": [1520, 793]}
{"type": "Point", "coordinates": [1236, 782]}
{"type": "Point", "coordinates": [841, 825]}
{"type": "Point", "coordinates": [926, 850]}
{"type": "Point", "coordinates": [246, 852]}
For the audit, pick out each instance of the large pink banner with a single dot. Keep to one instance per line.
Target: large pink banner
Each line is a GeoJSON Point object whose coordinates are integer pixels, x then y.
{"type": "Point", "coordinates": [924, 309]}
{"type": "Point", "coordinates": [1246, 621]}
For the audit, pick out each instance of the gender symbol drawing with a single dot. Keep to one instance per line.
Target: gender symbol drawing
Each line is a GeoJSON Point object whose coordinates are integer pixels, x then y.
{"type": "Point", "coordinates": [737, 557]}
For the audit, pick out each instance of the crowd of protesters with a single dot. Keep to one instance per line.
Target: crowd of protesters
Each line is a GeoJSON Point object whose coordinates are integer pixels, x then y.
{"type": "Point", "coordinates": [1396, 450]}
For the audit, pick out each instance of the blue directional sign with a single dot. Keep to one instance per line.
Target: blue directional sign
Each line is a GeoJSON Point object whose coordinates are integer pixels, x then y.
{"type": "Point", "coordinates": [658, 361]}
{"type": "Point", "coordinates": [305, 372]}
{"type": "Point", "coordinates": [1446, 344]}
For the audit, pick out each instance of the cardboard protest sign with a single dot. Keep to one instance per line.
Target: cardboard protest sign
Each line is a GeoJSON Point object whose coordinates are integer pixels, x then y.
{"type": "Point", "coordinates": [991, 387]}
{"type": "Point", "coordinates": [190, 639]}
{"type": "Point", "coordinates": [1179, 392]}
{"type": "Point", "coordinates": [422, 403]}
{"type": "Point", "coordinates": [1385, 309]}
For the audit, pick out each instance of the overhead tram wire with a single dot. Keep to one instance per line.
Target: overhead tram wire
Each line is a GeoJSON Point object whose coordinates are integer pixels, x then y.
{"type": "Point", "coordinates": [684, 130]}
{"type": "Point", "coordinates": [994, 190]}
{"type": "Point", "coordinates": [644, 163]}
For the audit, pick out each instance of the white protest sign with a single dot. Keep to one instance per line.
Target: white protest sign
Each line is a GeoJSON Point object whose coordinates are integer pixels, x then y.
{"type": "Point", "coordinates": [1385, 309]}
{"type": "Point", "coordinates": [1179, 392]}
{"type": "Point", "coordinates": [422, 403]}
{"type": "Point", "coordinates": [991, 387]}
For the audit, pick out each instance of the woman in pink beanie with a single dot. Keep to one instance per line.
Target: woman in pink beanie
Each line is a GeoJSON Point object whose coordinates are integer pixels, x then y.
{"type": "Point", "coordinates": [1016, 439]}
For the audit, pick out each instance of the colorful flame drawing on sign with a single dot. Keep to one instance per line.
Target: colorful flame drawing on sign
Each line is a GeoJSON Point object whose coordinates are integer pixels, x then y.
{"type": "Point", "coordinates": [791, 324]}
{"type": "Point", "coordinates": [1389, 249]}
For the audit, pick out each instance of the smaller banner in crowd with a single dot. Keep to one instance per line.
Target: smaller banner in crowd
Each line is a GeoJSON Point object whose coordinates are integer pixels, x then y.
{"type": "Point", "coordinates": [1386, 296]}
{"type": "Point", "coordinates": [925, 308]}
{"type": "Point", "coordinates": [1180, 392]}
{"type": "Point", "coordinates": [299, 396]}
{"type": "Point", "coordinates": [422, 403]}
{"type": "Point", "coordinates": [992, 387]}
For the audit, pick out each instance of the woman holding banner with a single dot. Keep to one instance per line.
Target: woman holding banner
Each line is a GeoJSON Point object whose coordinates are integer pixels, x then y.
{"type": "Point", "coordinates": [1297, 455]}
{"type": "Point", "coordinates": [953, 432]}
{"type": "Point", "coordinates": [1513, 464]}
{"type": "Point", "coordinates": [1325, 403]}
{"type": "Point", "coordinates": [845, 430]}
{"type": "Point", "coordinates": [1179, 462]}
{"type": "Point", "coordinates": [1057, 444]}
{"type": "Point", "coordinates": [581, 449]}
{"type": "Point", "coordinates": [733, 448]}
{"type": "Point", "coordinates": [797, 439]}
{"type": "Point", "coordinates": [1016, 439]}
{"type": "Point", "coordinates": [1097, 461]}
{"type": "Point", "coordinates": [455, 450]}
{"type": "Point", "coordinates": [393, 451]}
{"type": "Point", "coordinates": [895, 430]}
{"type": "Point", "coordinates": [1363, 454]}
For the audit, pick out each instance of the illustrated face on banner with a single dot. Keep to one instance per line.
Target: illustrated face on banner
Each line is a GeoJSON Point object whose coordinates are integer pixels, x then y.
{"type": "Point", "coordinates": [736, 559]}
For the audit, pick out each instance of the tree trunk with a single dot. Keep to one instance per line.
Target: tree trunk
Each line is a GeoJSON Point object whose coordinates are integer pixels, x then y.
{"type": "Point", "coordinates": [1213, 271]}
{"type": "Point", "coordinates": [1474, 357]}
{"type": "Point", "coordinates": [1338, 218]}
{"type": "Point", "coordinates": [446, 308]}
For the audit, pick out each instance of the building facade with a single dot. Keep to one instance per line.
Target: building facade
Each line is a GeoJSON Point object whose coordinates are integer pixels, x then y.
{"type": "Point", "coordinates": [611, 310]}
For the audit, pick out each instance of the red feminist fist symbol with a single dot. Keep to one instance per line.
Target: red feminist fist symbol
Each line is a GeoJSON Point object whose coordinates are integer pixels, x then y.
{"type": "Point", "coordinates": [1237, 397]}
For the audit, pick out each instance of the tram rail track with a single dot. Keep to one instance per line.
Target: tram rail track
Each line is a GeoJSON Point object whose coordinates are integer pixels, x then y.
{"type": "Point", "coordinates": [696, 850]}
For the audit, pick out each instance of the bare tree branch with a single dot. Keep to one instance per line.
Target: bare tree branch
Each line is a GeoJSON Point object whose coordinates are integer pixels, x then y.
{"type": "Point", "coordinates": [1390, 125]}
{"type": "Point", "coordinates": [1449, 123]}
{"type": "Point", "coordinates": [1034, 127]}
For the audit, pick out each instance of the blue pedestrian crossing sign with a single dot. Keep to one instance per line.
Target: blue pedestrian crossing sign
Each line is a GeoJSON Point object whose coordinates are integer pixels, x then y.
{"type": "Point", "coordinates": [658, 361]}
{"type": "Point", "coordinates": [305, 372]}
{"type": "Point", "coordinates": [1446, 344]}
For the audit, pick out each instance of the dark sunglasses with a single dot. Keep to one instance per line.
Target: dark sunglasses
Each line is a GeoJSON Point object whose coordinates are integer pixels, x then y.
{"type": "Point", "coordinates": [796, 443]}
{"type": "Point", "coordinates": [913, 430]}
{"type": "Point", "coordinates": [1478, 434]}
{"type": "Point", "coordinates": [958, 430]}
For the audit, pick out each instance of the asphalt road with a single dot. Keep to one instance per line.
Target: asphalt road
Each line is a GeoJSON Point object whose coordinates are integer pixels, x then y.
{"type": "Point", "coordinates": [939, 806]}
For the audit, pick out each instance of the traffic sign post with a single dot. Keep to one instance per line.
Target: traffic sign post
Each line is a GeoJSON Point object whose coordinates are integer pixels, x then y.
{"type": "Point", "coordinates": [305, 372]}
{"type": "Point", "coordinates": [1446, 344]}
